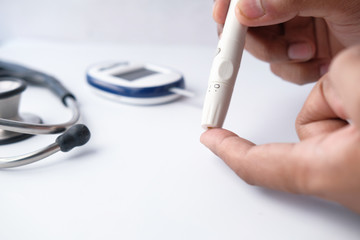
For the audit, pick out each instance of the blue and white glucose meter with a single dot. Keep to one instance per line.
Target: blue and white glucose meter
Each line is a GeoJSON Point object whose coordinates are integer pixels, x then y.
{"type": "Point", "coordinates": [133, 83]}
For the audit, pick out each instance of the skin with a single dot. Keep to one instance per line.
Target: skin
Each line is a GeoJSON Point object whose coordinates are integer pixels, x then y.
{"type": "Point", "coordinates": [326, 161]}
{"type": "Point", "coordinates": [298, 38]}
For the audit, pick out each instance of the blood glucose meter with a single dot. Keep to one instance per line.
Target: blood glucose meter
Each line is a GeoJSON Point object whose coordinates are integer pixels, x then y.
{"type": "Point", "coordinates": [136, 83]}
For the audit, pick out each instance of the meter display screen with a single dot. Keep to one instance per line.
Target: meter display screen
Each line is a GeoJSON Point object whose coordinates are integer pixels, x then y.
{"type": "Point", "coordinates": [135, 74]}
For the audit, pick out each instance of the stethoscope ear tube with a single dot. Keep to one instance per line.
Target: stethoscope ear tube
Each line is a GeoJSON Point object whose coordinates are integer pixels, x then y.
{"type": "Point", "coordinates": [33, 128]}
{"type": "Point", "coordinates": [11, 70]}
{"type": "Point", "coordinates": [58, 89]}
{"type": "Point", "coordinates": [36, 78]}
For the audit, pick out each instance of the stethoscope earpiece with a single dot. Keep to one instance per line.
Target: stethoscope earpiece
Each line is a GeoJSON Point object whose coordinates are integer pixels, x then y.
{"type": "Point", "coordinates": [75, 136]}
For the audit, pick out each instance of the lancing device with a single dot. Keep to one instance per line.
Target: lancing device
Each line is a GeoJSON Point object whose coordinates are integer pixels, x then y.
{"type": "Point", "coordinates": [224, 71]}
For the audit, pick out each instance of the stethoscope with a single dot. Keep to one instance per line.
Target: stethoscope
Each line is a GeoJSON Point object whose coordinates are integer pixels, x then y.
{"type": "Point", "coordinates": [15, 127]}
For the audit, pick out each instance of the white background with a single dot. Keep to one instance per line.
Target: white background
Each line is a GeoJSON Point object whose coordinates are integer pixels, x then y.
{"type": "Point", "coordinates": [120, 21]}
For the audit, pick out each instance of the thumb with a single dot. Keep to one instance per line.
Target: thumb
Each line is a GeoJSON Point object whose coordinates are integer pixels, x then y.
{"type": "Point", "coordinates": [269, 12]}
{"type": "Point", "coordinates": [344, 77]}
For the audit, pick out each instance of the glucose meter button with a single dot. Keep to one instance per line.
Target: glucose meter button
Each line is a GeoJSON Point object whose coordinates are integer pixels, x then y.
{"type": "Point", "coordinates": [225, 70]}
{"type": "Point", "coordinates": [217, 86]}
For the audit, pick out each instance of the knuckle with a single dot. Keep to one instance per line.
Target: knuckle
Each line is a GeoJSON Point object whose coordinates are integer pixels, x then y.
{"type": "Point", "coordinates": [261, 52]}
{"type": "Point", "coordinates": [266, 56]}
{"type": "Point", "coordinates": [293, 73]}
{"type": "Point", "coordinates": [245, 176]}
{"type": "Point", "coordinates": [306, 179]}
{"type": "Point", "coordinates": [301, 125]}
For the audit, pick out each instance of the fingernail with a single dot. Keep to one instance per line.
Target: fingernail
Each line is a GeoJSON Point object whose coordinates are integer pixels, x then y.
{"type": "Point", "coordinates": [251, 9]}
{"type": "Point", "coordinates": [300, 51]}
{"type": "Point", "coordinates": [216, 16]}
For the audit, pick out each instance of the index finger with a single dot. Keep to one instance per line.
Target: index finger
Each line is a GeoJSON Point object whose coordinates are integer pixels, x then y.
{"type": "Point", "coordinates": [280, 166]}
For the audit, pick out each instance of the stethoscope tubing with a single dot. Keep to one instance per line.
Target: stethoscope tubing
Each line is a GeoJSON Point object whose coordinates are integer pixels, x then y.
{"type": "Point", "coordinates": [74, 134]}
{"type": "Point", "coordinates": [32, 128]}
{"type": "Point", "coordinates": [21, 160]}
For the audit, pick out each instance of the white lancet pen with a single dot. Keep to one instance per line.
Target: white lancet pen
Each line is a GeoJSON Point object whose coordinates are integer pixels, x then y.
{"type": "Point", "coordinates": [224, 71]}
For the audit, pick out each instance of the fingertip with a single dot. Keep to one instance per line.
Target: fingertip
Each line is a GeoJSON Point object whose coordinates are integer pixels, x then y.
{"type": "Point", "coordinates": [225, 144]}
{"type": "Point", "coordinates": [210, 137]}
{"type": "Point", "coordinates": [215, 11]}
{"type": "Point", "coordinates": [220, 11]}
{"type": "Point", "coordinates": [215, 138]}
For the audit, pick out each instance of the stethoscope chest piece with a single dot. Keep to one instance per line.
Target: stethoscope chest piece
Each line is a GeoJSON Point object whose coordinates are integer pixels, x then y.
{"type": "Point", "coordinates": [10, 94]}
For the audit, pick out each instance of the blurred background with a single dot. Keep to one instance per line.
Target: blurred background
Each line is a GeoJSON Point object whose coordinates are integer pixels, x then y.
{"type": "Point", "coordinates": [116, 21]}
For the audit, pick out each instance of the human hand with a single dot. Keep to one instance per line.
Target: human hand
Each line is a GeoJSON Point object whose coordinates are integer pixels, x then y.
{"type": "Point", "coordinates": [326, 161]}
{"type": "Point", "coordinates": [298, 38]}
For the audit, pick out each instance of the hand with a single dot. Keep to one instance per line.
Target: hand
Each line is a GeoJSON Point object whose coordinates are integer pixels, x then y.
{"type": "Point", "coordinates": [326, 161]}
{"type": "Point", "coordinates": [298, 38]}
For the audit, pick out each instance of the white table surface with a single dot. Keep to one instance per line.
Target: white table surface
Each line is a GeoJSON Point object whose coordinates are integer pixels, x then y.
{"type": "Point", "coordinates": [144, 173]}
